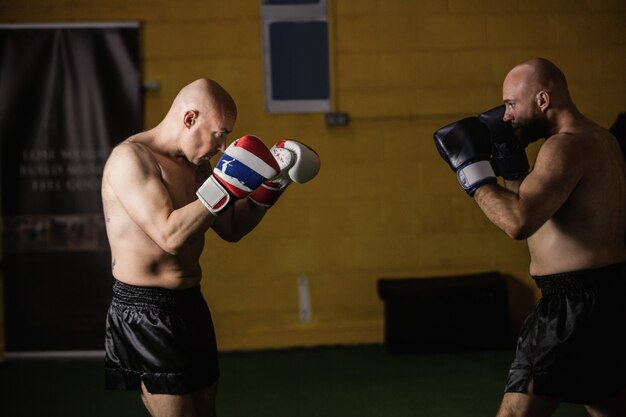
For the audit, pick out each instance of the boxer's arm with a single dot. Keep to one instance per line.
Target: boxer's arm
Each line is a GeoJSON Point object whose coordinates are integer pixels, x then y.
{"type": "Point", "coordinates": [559, 167]}
{"type": "Point", "coordinates": [512, 185]}
{"type": "Point", "coordinates": [135, 178]}
{"type": "Point", "coordinates": [239, 221]}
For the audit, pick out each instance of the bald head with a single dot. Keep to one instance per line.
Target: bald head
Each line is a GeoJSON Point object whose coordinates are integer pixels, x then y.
{"type": "Point", "coordinates": [537, 99]}
{"type": "Point", "coordinates": [204, 96]}
{"type": "Point", "coordinates": [536, 75]}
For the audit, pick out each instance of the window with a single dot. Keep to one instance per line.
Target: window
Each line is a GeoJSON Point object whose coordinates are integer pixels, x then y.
{"type": "Point", "coordinates": [295, 56]}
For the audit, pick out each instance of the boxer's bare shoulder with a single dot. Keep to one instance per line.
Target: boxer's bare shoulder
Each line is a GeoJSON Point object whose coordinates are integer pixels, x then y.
{"type": "Point", "coordinates": [128, 154]}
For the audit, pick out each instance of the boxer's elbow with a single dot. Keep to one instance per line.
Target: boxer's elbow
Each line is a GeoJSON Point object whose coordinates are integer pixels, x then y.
{"type": "Point", "coordinates": [519, 229]}
{"type": "Point", "coordinates": [172, 244]}
{"type": "Point", "coordinates": [517, 233]}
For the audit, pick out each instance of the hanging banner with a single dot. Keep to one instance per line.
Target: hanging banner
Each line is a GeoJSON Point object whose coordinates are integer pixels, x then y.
{"type": "Point", "coordinates": [68, 94]}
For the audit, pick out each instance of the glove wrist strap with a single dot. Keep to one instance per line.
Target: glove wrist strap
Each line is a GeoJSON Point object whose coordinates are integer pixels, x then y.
{"type": "Point", "coordinates": [214, 196]}
{"type": "Point", "coordinates": [475, 174]}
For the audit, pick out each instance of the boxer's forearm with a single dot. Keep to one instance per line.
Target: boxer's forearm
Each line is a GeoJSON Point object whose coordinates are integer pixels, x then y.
{"type": "Point", "coordinates": [502, 206]}
{"type": "Point", "coordinates": [233, 225]}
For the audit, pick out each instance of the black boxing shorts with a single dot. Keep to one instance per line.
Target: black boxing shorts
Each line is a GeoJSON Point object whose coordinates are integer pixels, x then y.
{"type": "Point", "coordinates": [573, 345]}
{"type": "Point", "coordinates": [164, 338]}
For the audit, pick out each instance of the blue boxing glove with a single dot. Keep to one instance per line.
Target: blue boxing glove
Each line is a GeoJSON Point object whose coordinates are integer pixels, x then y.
{"type": "Point", "coordinates": [466, 147]}
{"type": "Point", "coordinates": [508, 156]}
{"type": "Point", "coordinates": [243, 167]}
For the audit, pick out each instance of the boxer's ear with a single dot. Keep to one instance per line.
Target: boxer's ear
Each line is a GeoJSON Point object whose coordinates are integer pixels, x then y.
{"type": "Point", "coordinates": [189, 119]}
{"type": "Point", "coordinates": [543, 100]}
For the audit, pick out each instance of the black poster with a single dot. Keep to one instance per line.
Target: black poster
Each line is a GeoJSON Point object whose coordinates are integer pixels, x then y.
{"type": "Point", "coordinates": [68, 94]}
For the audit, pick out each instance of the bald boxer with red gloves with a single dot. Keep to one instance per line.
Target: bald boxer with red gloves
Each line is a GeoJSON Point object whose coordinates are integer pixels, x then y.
{"type": "Point", "coordinates": [160, 197]}
{"type": "Point", "coordinates": [571, 209]}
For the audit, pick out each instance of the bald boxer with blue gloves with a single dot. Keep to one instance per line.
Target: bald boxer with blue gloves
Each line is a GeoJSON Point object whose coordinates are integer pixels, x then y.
{"type": "Point", "coordinates": [160, 196]}
{"type": "Point", "coordinates": [571, 209]}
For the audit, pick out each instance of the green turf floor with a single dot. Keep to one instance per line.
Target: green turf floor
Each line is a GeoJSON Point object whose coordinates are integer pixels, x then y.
{"type": "Point", "coordinates": [359, 381]}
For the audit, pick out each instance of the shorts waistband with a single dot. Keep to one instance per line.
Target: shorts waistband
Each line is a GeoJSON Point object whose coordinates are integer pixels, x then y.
{"type": "Point", "coordinates": [126, 295]}
{"type": "Point", "coordinates": [580, 281]}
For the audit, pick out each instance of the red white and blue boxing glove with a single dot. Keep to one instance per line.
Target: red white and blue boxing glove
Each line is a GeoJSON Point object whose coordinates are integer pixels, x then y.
{"type": "Point", "coordinates": [298, 163]}
{"type": "Point", "coordinates": [465, 145]}
{"type": "Point", "coordinates": [243, 167]}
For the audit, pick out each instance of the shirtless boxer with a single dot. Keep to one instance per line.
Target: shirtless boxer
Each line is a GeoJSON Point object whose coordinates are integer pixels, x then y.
{"type": "Point", "coordinates": [158, 204]}
{"type": "Point", "coordinates": [571, 208]}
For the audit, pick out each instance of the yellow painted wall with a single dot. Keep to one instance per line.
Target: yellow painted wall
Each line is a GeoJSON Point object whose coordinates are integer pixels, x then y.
{"type": "Point", "coordinates": [384, 204]}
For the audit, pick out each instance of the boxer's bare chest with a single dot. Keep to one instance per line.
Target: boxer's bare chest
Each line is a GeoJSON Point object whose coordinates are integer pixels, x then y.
{"type": "Point", "coordinates": [179, 178]}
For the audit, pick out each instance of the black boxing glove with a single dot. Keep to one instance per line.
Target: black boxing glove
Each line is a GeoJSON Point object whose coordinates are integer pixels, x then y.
{"type": "Point", "coordinates": [508, 155]}
{"type": "Point", "coordinates": [465, 146]}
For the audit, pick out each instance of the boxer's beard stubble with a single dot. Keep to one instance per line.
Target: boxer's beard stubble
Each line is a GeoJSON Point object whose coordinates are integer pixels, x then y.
{"type": "Point", "coordinates": [532, 130]}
